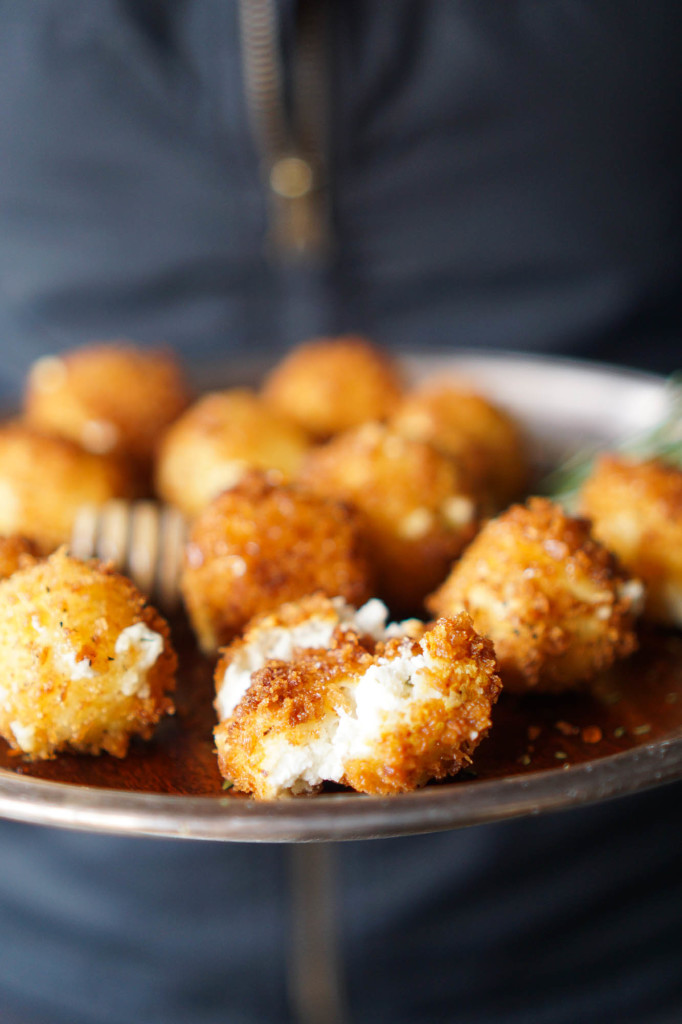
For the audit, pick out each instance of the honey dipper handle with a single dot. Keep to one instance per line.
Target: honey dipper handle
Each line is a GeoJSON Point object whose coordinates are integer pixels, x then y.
{"type": "Point", "coordinates": [143, 539]}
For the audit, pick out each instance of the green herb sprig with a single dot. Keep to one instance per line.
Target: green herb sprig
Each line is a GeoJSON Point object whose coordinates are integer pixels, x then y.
{"type": "Point", "coordinates": [663, 441]}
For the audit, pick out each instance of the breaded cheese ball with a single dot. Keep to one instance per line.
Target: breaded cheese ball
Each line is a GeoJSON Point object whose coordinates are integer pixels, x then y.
{"type": "Point", "coordinates": [110, 397]}
{"type": "Point", "coordinates": [382, 711]}
{"type": "Point", "coordinates": [85, 662]}
{"type": "Point", "coordinates": [217, 441]}
{"type": "Point", "coordinates": [636, 511]}
{"type": "Point", "coordinates": [484, 439]}
{"type": "Point", "coordinates": [44, 480]}
{"type": "Point", "coordinates": [332, 384]}
{"type": "Point", "coordinates": [16, 552]}
{"type": "Point", "coordinates": [555, 602]}
{"type": "Point", "coordinates": [311, 622]}
{"type": "Point", "coordinates": [414, 500]}
{"type": "Point", "coordinates": [261, 544]}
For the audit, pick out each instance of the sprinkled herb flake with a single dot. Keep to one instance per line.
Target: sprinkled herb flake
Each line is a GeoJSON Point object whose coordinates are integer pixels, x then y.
{"type": "Point", "coordinates": [619, 732]}
{"type": "Point", "coordinates": [641, 730]}
{"type": "Point", "coordinates": [228, 783]}
{"type": "Point", "coordinates": [560, 755]}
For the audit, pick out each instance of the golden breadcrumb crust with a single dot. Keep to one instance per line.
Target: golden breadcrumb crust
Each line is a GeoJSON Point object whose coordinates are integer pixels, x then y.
{"type": "Point", "coordinates": [261, 544]}
{"type": "Point", "coordinates": [16, 552]}
{"type": "Point", "coordinates": [44, 480]}
{"type": "Point", "coordinates": [636, 511]}
{"type": "Point", "coordinates": [436, 740]}
{"type": "Point", "coordinates": [485, 440]}
{"type": "Point", "coordinates": [333, 384]}
{"type": "Point", "coordinates": [296, 702]}
{"type": "Point", "coordinates": [417, 511]}
{"type": "Point", "coordinates": [64, 683]}
{"type": "Point", "coordinates": [109, 397]}
{"type": "Point", "coordinates": [217, 440]}
{"type": "Point", "coordinates": [554, 601]}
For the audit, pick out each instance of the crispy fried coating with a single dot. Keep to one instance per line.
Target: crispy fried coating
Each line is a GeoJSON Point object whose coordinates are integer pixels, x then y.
{"type": "Point", "coordinates": [109, 397]}
{"type": "Point", "coordinates": [217, 440]}
{"type": "Point", "coordinates": [16, 552]}
{"type": "Point", "coordinates": [311, 622]}
{"type": "Point", "coordinates": [332, 384]}
{"type": "Point", "coordinates": [85, 662]}
{"type": "Point", "coordinates": [380, 715]}
{"type": "Point", "coordinates": [485, 440]}
{"type": "Point", "coordinates": [261, 544]}
{"type": "Point", "coordinates": [417, 510]}
{"type": "Point", "coordinates": [44, 480]}
{"type": "Point", "coordinates": [554, 601]}
{"type": "Point", "coordinates": [636, 511]}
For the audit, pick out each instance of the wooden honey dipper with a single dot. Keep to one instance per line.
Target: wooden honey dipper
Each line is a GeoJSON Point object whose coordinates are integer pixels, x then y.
{"type": "Point", "coordinates": [143, 539]}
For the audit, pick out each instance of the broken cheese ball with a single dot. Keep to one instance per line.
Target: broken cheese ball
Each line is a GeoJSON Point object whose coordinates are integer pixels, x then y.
{"type": "Point", "coordinates": [319, 693]}
{"type": "Point", "coordinates": [85, 662]}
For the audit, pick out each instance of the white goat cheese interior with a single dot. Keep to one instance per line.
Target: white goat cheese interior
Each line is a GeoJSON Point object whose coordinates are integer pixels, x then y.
{"type": "Point", "coordinates": [380, 700]}
{"type": "Point", "coordinates": [137, 648]}
{"type": "Point", "coordinates": [280, 642]}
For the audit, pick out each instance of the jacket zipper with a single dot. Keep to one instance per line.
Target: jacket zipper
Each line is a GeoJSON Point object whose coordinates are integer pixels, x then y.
{"type": "Point", "coordinates": [290, 143]}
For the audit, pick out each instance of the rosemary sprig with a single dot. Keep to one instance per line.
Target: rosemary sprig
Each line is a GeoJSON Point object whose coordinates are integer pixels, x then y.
{"type": "Point", "coordinates": [663, 441]}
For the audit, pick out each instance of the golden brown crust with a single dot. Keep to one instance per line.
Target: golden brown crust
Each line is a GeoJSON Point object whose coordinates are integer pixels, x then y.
{"type": "Point", "coordinates": [417, 511]}
{"type": "Point", "coordinates": [67, 682]}
{"type": "Point", "coordinates": [333, 384]}
{"type": "Point", "coordinates": [217, 440]}
{"type": "Point", "coordinates": [108, 397]}
{"type": "Point", "coordinates": [44, 480]}
{"type": "Point", "coordinates": [636, 510]}
{"type": "Point", "coordinates": [294, 704]}
{"type": "Point", "coordinates": [552, 599]}
{"type": "Point", "coordinates": [436, 740]}
{"type": "Point", "coordinates": [259, 545]}
{"type": "Point", "coordinates": [16, 552]}
{"type": "Point", "coordinates": [485, 440]}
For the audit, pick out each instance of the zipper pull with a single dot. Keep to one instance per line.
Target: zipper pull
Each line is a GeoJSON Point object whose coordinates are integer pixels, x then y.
{"type": "Point", "coordinates": [291, 142]}
{"type": "Point", "coordinates": [298, 222]}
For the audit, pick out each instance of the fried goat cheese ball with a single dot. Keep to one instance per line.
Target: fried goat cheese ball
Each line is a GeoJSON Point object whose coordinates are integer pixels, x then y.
{"type": "Point", "coordinates": [329, 385]}
{"type": "Point", "coordinates": [110, 397]}
{"type": "Point", "coordinates": [417, 510]}
{"type": "Point", "coordinates": [218, 439]}
{"type": "Point", "coordinates": [85, 662]}
{"type": "Point", "coordinates": [314, 695]}
{"type": "Point", "coordinates": [484, 439]}
{"type": "Point", "coordinates": [636, 511]}
{"type": "Point", "coordinates": [261, 544]}
{"type": "Point", "coordinates": [44, 480]}
{"type": "Point", "coordinates": [555, 603]}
